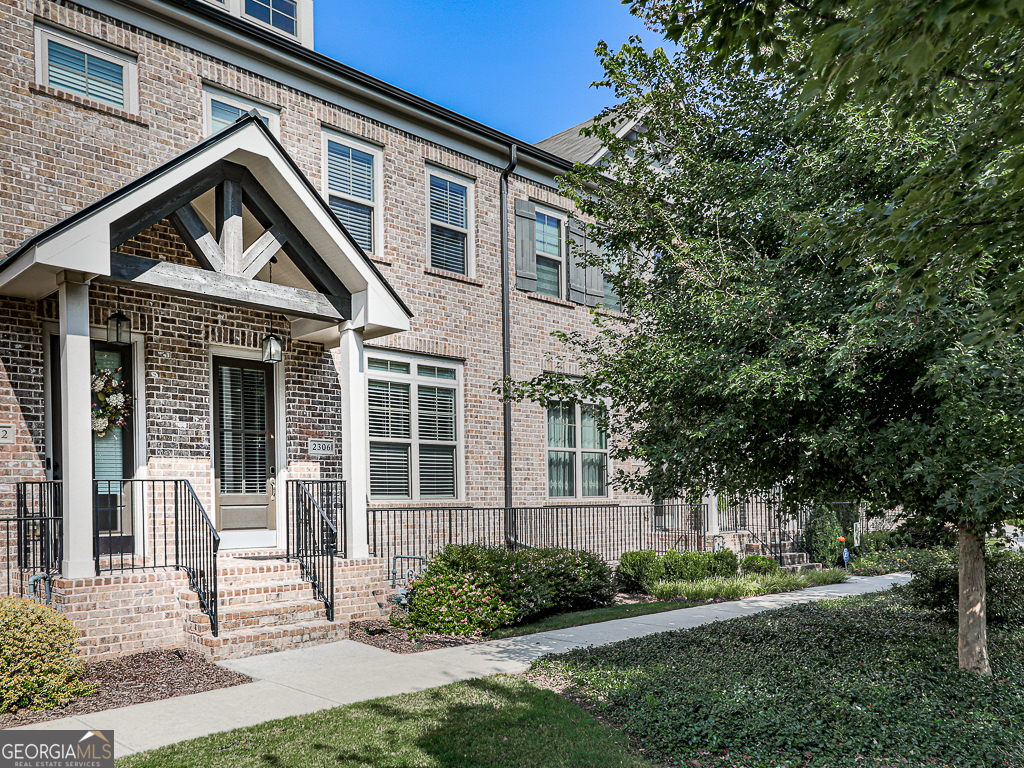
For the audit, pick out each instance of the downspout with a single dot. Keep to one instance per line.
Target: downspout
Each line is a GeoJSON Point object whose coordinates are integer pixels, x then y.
{"type": "Point", "coordinates": [506, 348]}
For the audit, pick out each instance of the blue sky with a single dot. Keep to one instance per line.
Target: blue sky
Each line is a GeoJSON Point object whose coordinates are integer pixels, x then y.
{"type": "Point", "coordinates": [521, 67]}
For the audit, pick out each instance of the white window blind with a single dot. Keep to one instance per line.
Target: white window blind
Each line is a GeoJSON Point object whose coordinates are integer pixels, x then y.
{"type": "Point", "coordinates": [413, 430]}
{"type": "Point", "coordinates": [449, 227]}
{"type": "Point", "coordinates": [350, 183]}
{"type": "Point", "coordinates": [79, 72]}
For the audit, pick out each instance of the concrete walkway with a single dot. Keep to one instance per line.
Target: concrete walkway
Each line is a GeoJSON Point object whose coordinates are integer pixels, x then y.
{"type": "Point", "coordinates": [309, 679]}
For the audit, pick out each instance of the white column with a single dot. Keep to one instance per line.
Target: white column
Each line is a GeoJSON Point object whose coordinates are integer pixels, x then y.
{"type": "Point", "coordinates": [349, 360]}
{"type": "Point", "coordinates": [76, 425]}
{"type": "Point", "coordinates": [711, 503]}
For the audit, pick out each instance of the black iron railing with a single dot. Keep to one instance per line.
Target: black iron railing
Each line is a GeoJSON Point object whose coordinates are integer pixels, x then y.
{"type": "Point", "coordinates": [606, 530]}
{"type": "Point", "coordinates": [147, 524]}
{"type": "Point", "coordinates": [34, 538]}
{"type": "Point", "coordinates": [315, 526]}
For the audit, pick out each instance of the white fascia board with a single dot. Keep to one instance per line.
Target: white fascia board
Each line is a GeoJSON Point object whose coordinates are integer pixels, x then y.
{"type": "Point", "coordinates": [177, 24]}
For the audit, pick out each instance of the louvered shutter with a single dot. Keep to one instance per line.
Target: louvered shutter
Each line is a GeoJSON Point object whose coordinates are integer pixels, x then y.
{"type": "Point", "coordinates": [577, 245]}
{"type": "Point", "coordinates": [80, 72]}
{"type": "Point", "coordinates": [595, 274]}
{"type": "Point", "coordinates": [526, 245]}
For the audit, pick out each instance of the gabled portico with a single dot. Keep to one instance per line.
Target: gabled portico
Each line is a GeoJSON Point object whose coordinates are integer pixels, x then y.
{"type": "Point", "coordinates": [257, 237]}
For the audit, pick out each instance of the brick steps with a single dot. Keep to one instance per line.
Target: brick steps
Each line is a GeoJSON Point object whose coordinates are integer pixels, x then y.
{"type": "Point", "coordinates": [256, 615]}
{"type": "Point", "coordinates": [239, 643]}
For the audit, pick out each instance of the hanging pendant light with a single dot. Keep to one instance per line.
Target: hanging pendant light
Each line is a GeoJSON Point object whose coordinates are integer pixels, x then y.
{"type": "Point", "coordinates": [119, 325]}
{"type": "Point", "coordinates": [273, 348]}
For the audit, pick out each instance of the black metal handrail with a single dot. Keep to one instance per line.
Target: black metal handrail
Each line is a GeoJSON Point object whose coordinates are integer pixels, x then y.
{"type": "Point", "coordinates": [315, 515]}
{"type": "Point", "coordinates": [34, 537]}
{"type": "Point", "coordinates": [606, 530]}
{"type": "Point", "coordinates": [141, 525]}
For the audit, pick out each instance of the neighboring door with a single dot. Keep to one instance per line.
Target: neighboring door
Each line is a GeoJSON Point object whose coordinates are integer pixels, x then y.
{"type": "Point", "coordinates": [113, 458]}
{"type": "Point", "coordinates": [243, 414]}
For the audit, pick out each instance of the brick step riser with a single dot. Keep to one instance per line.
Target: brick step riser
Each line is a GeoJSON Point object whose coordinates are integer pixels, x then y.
{"type": "Point", "coordinates": [265, 593]}
{"type": "Point", "coordinates": [199, 623]}
{"type": "Point", "coordinates": [257, 642]}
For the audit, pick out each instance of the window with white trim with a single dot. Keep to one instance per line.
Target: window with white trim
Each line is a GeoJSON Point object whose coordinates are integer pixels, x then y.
{"type": "Point", "coordinates": [577, 452]}
{"type": "Point", "coordinates": [451, 221]}
{"type": "Point", "coordinates": [414, 428]}
{"type": "Point", "coordinates": [551, 275]}
{"type": "Point", "coordinates": [352, 172]}
{"type": "Point", "coordinates": [221, 109]}
{"type": "Point", "coordinates": [90, 70]}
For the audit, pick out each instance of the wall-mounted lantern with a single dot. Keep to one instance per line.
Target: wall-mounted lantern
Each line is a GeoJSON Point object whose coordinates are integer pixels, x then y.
{"type": "Point", "coordinates": [119, 328]}
{"type": "Point", "coordinates": [272, 349]}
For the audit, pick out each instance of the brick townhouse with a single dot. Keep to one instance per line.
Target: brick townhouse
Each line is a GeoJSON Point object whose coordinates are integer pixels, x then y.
{"type": "Point", "coordinates": [253, 306]}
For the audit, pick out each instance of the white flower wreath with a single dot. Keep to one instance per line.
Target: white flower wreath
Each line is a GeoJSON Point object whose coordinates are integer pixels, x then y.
{"type": "Point", "coordinates": [113, 404]}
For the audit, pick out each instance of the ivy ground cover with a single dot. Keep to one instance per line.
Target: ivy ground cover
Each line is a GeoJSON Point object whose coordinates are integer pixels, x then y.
{"type": "Point", "coordinates": [864, 681]}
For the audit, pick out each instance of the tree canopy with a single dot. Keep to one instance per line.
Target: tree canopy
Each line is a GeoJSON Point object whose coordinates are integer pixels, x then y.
{"type": "Point", "coordinates": [961, 213]}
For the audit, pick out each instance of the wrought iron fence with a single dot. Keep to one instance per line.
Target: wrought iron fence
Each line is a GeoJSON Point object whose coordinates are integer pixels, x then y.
{"type": "Point", "coordinates": [155, 523]}
{"type": "Point", "coordinates": [34, 538]}
{"type": "Point", "coordinates": [608, 530]}
{"type": "Point", "coordinates": [315, 531]}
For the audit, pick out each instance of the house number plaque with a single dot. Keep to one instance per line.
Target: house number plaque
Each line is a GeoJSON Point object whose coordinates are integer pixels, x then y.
{"type": "Point", "coordinates": [321, 447]}
{"type": "Point", "coordinates": [6, 434]}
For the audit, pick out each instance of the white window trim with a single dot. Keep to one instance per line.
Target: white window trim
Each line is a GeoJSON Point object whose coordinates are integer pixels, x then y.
{"type": "Point", "coordinates": [130, 66]}
{"type": "Point", "coordinates": [300, 12]}
{"type": "Point", "coordinates": [578, 452]}
{"type": "Point", "coordinates": [470, 185]}
{"type": "Point", "coordinates": [211, 94]}
{"type": "Point", "coordinates": [563, 269]}
{"type": "Point", "coordinates": [377, 203]}
{"type": "Point", "coordinates": [413, 379]}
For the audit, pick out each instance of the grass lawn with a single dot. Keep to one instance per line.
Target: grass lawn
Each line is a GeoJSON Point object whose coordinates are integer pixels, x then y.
{"type": "Point", "coordinates": [863, 681]}
{"type": "Point", "coordinates": [497, 722]}
{"type": "Point", "coordinates": [579, 618]}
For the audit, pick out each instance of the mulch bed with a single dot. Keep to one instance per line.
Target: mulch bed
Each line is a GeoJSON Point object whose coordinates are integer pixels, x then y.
{"type": "Point", "coordinates": [135, 679]}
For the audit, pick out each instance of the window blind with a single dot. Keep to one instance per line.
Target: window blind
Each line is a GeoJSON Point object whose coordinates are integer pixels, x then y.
{"type": "Point", "coordinates": [436, 413]}
{"type": "Point", "coordinates": [389, 410]}
{"type": "Point", "coordinates": [242, 423]}
{"type": "Point", "coordinates": [448, 202]}
{"type": "Point", "coordinates": [79, 72]}
{"type": "Point", "coordinates": [357, 219]}
{"type": "Point", "coordinates": [437, 471]}
{"type": "Point", "coordinates": [448, 207]}
{"type": "Point", "coordinates": [349, 171]}
{"type": "Point", "coordinates": [447, 249]}
{"type": "Point", "coordinates": [389, 471]}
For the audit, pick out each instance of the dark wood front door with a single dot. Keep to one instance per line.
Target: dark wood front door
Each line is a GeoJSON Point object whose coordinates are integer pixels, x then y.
{"type": "Point", "coordinates": [243, 414]}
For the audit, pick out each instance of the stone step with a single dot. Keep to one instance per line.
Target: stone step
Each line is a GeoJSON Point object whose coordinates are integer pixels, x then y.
{"type": "Point", "coordinates": [248, 593]}
{"type": "Point", "coordinates": [253, 641]}
{"type": "Point", "coordinates": [255, 615]}
{"type": "Point", "coordinates": [797, 568]}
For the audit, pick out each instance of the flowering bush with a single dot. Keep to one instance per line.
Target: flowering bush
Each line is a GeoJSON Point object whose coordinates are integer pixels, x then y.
{"type": "Point", "coordinates": [455, 604]}
{"type": "Point", "coordinates": [113, 403]}
{"type": "Point", "coordinates": [39, 666]}
{"type": "Point", "coordinates": [575, 579]}
{"type": "Point", "coordinates": [513, 573]}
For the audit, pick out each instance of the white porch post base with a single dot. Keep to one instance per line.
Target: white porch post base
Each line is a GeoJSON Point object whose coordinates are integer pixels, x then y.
{"type": "Point", "coordinates": [76, 425]}
{"type": "Point", "coordinates": [349, 361]}
{"type": "Point", "coordinates": [711, 502]}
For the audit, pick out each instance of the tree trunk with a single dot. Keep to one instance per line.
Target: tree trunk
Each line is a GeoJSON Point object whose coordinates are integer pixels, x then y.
{"type": "Point", "coordinates": [973, 638]}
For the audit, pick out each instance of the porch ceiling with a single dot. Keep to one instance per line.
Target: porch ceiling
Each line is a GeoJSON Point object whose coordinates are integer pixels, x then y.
{"type": "Point", "coordinates": [237, 199]}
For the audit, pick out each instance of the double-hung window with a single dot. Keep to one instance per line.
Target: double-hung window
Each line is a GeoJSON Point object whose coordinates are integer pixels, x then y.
{"type": "Point", "coordinates": [221, 109]}
{"type": "Point", "coordinates": [450, 221]}
{"type": "Point", "coordinates": [85, 69]}
{"type": "Point", "coordinates": [352, 173]}
{"type": "Point", "coordinates": [577, 452]}
{"type": "Point", "coordinates": [550, 254]}
{"type": "Point", "coordinates": [413, 428]}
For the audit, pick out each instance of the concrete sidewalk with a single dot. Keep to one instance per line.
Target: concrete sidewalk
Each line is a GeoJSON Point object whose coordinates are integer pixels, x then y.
{"type": "Point", "coordinates": [310, 679]}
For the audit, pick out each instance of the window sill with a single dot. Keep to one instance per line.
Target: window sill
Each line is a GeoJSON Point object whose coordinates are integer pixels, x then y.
{"type": "Point", "coordinates": [455, 276]}
{"type": "Point", "coordinates": [551, 300]}
{"type": "Point", "coordinates": [587, 501]}
{"type": "Point", "coordinates": [81, 101]}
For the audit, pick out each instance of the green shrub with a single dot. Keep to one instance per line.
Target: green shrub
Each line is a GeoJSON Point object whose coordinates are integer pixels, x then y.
{"type": "Point", "coordinates": [723, 564]}
{"type": "Point", "coordinates": [451, 603]}
{"type": "Point", "coordinates": [576, 580]}
{"type": "Point", "coordinates": [825, 532]}
{"type": "Point", "coordinates": [638, 571]}
{"type": "Point", "coordinates": [935, 586]}
{"type": "Point", "coordinates": [39, 666]}
{"type": "Point", "coordinates": [512, 572]}
{"type": "Point", "coordinates": [826, 576]}
{"type": "Point", "coordinates": [893, 560]}
{"type": "Point", "coordinates": [759, 564]}
{"type": "Point", "coordinates": [685, 566]}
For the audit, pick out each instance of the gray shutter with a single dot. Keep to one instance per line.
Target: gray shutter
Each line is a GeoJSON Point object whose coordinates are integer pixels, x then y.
{"type": "Point", "coordinates": [526, 245]}
{"type": "Point", "coordinates": [576, 245]}
{"type": "Point", "coordinates": [595, 276]}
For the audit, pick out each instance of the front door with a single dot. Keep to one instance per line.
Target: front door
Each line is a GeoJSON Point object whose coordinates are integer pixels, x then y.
{"type": "Point", "coordinates": [113, 457]}
{"type": "Point", "coordinates": [243, 414]}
